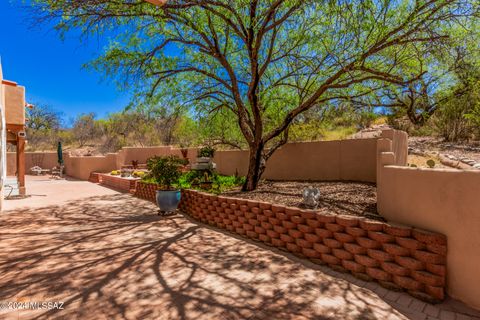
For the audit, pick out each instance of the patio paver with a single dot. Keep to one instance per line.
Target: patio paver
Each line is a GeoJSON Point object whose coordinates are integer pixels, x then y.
{"type": "Point", "coordinates": [111, 257]}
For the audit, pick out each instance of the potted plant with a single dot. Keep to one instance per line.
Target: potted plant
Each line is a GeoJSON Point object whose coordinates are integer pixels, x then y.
{"type": "Point", "coordinates": [206, 152]}
{"type": "Point", "coordinates": [166, 172]}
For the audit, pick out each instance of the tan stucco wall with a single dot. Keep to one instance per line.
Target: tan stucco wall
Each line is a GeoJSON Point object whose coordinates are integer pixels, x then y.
{"type": "Point", "coordinates": [81, 167]}
{"type": "Point", "coordinates": [45, 160]}
{"type": "Point", "coordinates": [141, 155]}
{"type": "Point", "coordinates": [232, 161]}
{"type": "Point", "coordinates": [399, 145]}
{"type": "Point", "coordinates": [442, 200]}
{"type": "Point", "coordinates": [320, 160]}
{"type": "Point", "coordinates": [445, 201]}
{"type": "Point", "coordinates": [15, 104]}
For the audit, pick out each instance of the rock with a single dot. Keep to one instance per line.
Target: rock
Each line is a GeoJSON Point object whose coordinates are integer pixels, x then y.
{"type": "Point", "coordinates": [476, 166]}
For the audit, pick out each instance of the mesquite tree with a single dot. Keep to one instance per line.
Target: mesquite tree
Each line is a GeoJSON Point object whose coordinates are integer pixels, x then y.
{"type": "Point", "coordinates": [266, 61]}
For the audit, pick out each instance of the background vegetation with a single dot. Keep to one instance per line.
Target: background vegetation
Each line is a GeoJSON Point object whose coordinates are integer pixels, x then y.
{"type": "Point", "coordinates": [134, 127]}
{"type": "Point", "coordinates": [258, 73]}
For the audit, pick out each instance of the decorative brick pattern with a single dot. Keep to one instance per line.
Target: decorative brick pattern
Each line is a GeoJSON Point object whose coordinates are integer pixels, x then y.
{"type": "Point", "coordinates": [148, 192]}
{"type": "Point", "coordinates": [118, 183]}
{"type": "Point", "coordinates": [411, 259]}
{"type": "Point", "coordinates": [94, 177]}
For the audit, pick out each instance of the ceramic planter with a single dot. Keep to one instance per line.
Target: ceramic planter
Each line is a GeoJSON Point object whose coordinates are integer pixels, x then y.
{"type": "Point", "coordinates": [168, 200]}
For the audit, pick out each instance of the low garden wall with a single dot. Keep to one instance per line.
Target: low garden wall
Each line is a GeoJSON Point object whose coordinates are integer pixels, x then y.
{"type": "Point", "coordinates": [82, 167]}
{"type": "Point", "coordinates": [115, 182]}
{"type": "Point", "coordinates": [45, 160]}
{"type": "Point", "coordinates": [146, 191]}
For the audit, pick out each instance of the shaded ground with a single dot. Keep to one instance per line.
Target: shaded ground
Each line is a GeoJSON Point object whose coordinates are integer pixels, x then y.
{"type": "Point", "coordinates": [352, 198]}
{"type": "Point", "coordinates": [112, 257]}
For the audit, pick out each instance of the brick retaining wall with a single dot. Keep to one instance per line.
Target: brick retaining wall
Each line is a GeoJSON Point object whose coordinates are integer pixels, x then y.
{"type": "Point", "coordinates": [118, 183]}
{"type": "Point", "coordinates": [94, 177]}
{"type": "Point", "coordinates": [398, 257]}
{"type": "Point", "coordinates": [146, 191]}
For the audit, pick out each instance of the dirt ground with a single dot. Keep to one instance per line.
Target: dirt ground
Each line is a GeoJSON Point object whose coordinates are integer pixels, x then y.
{"type": "Point", "coordinates": [351, 198]}
{"type": "Point", "coordinates": [421, 161]}
{"type": "Point", "coordinates": [435, 145]}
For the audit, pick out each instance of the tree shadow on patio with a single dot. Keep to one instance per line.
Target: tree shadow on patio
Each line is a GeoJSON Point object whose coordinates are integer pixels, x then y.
{"type": "Point", "coordinates": [113, 257]}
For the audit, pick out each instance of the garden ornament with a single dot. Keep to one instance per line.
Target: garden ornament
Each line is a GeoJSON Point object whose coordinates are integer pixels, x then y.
{"type": "Point", "coordinates": [311, 196]}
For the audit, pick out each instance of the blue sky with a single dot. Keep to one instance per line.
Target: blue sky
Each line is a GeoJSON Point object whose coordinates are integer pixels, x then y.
{"type": "Point", "coordinates": [51, 69]}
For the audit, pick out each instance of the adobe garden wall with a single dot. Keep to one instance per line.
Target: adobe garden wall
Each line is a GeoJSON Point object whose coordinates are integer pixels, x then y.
{"type": "Point", "coordinates": [115, 182]}
{"type": "Point", "coordinates": [351, 160]}
{"type": "Point", "coordinates": [442, 200]}
{"type": "Point", "coordinates": [320, 160]}
{"type": "Point", "coordinates": [46, 160]}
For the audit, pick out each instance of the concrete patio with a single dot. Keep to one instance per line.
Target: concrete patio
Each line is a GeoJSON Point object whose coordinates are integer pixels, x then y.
{"type": "Point", "coordinates": [108, 255]}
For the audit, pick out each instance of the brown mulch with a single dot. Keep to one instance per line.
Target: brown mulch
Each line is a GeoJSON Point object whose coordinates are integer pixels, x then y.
{"type": "Point", "coordinates": [352, 198]}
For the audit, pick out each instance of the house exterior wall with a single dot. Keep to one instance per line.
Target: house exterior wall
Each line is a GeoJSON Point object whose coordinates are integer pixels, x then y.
{"type": "Point", "coordinates": [15, 104]}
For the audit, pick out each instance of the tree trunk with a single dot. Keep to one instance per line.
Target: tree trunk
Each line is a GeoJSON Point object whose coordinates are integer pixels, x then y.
{"type": "Point", "coordinates": [256, 166]}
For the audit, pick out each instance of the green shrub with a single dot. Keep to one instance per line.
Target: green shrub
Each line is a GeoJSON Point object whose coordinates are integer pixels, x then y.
{"type": "Point", "coordinates": [224, 183]}
{"type": "Point", "coordinates": [165, 170]}
{"type": "Point", "coordinates": [148, 179]}
{"type": "Point", "coordinates": [474, 119]}
{"type": "Point", "coordinates": [430, 163]}
{"type": "Point", "coordinates": [207, 152]}
{"type": "Point", "coordinates": [193, 179]}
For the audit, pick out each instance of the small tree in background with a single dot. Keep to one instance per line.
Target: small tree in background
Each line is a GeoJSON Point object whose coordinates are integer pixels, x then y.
{"type": "Point", "coordinates": [43, 126]}
{"type": "Point", "coordinates": [85, 128]}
